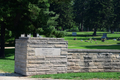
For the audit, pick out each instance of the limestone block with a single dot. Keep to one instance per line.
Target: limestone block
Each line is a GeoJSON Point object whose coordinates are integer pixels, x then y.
{"type": "Point", "coordinates": [75, 67]}
{"type": "Point", "coordinates": [36, 62]}
{"type": "Point", "coordinates": [30, 73]}
{"type": "Point", "coordinates": [31, 54]}
{"type": "Point", "coordinates": [31, 66]}
{"type": "Point", "coordinates": [61, 68]}
{"type": "Point", "coordinates": [77, 71]}
{"type": "Point", "coordinates": [61, 71]}
{"type": "Point", "coordinates": [51, 72]}
{"type": "Point", "coordinates": [107, 67]}
{"type": "Point", "coordinates": [36, 41]}
{"type": "Point", "coordinates": [31, 57]}
{"type": "Point", "coordinates": [64, 52]}
{"type": "Point", "coordinates": [32, 69]}
{"type": "Point", "coordinates": [44, 66]}
{"type": "Point", "coordinates": [63, 42]}
{"type": "Point", "coordinates": [61, 65]}
{"type": "Point", "coordinates": [70, 63]}
{"type": "Point", "coordinates": [73, 60]}
{"type": "Point", "coordinates": [69, 57]}
{"type": "Point", "coordinates": [22, 57]}
{"type": "Point", "coordinates": [60, 46]}
{"type": "Point", "coordinates": [70, 71]}
{"type": "Point", "coordinates": [64, 49]}
{"type": "Point", "coordinates": [75, 56]}
{"type": "Point", "coordinates": [96, 70]}
{"type": "Point", "coordinates": [40, 57]}
{"type": "Point", "coordinates": [39, 73]}
{"type": "Point", "coordinates": [42, 70]}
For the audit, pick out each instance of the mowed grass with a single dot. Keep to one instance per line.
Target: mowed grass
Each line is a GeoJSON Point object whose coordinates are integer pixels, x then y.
{"type": "Point", "coordinates": [7, 64]}
{"type": "Point", "coordinates": [83, 40]}
{"type": "Point", "coordinates": [83, 76]}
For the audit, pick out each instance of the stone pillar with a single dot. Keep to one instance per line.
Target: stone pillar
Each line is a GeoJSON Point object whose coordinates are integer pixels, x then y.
{"type": "Point", "coordinates": [34, 56]}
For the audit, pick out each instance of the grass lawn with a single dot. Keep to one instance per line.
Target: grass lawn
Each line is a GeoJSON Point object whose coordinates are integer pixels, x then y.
{"type": "Point", "coordinates": [7, 64]}
{"type": "Point", "coordinates": [79, 76]}
{"type": "Point", "coordinates": [83, 41]}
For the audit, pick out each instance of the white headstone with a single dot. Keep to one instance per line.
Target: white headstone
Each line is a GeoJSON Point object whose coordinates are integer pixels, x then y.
{"type": "Point", "coordinates": [22, 35]}
{"type": "Point", "coordinates": [29, 35]}
{"type": "Point", "coordinates": [37, 35]}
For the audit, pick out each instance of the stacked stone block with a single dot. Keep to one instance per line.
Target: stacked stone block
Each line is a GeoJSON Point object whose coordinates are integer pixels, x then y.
{"type": "Point", "coordinates": [34, 56]}
{"type": "Point", "coordinates": [28, 62]}
{"type": "Point", "coordinates": [93, 60]}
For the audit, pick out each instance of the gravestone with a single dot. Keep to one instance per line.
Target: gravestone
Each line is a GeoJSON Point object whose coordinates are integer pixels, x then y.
{"type": "Point", "coordinates": [104, 36]}
{"type": "Point", "coordinates": [22, 35]}
{"type": "Point", "coordinates": [74, 34]}
{"type": "Point", "coordinates": [29, 35]}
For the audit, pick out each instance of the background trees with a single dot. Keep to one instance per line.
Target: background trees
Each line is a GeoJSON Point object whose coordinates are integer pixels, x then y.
{"type": "Point", "coordinates": [24, 16]}
{"type": "Point", "coordinates": [65, 12]}
{"type": "Point", "coordinates": [50, 17]}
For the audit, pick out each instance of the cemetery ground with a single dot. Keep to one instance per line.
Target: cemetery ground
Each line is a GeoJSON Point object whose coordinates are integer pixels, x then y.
{"type": "Point", "coordinates": [82, 42]}
{"type": "Point", "coordinates": [85, 40]}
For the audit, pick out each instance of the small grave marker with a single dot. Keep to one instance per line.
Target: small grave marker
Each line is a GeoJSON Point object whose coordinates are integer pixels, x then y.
{"type": "Point", "coordinates": [22, 35]}
{"type": "Point", "coordinates": [104, 36]}
{"type": "Point", "coordinates": [37, 35]}
{"type": "Point", "coordinates": [29, 35]}
{"type": "Point", "coordinates": [74, 34]}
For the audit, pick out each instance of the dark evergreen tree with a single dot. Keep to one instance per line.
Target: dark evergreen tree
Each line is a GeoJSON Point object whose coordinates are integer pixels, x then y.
{"type": "Point", "coordinates": [117, 14]}
{"type": "Point", "coordinates": [17, 15]}
{"type": "Point", "coordinates": [97, 14]}
{"type": "Point", "coordinates": [65, 11]}
{"type": "Point", "coordinates": [79, 11]}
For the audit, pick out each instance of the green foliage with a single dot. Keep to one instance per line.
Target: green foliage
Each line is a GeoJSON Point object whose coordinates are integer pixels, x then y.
{"type": "Point", "coordinates": [48, 31]}
{"type": "Point", "coordinates": [79, 76]}
{"type": "Point", "coordinates": [64, 10]}
{"type": "Point", "coordinates": [7, 64]}
{"type": "Point", "coordinates": [59, 34]}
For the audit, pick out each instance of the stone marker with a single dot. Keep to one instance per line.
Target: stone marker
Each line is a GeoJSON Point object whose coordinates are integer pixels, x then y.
{"type": "Point", "coordinates": [47, 51]}
{"type": "Point", "coordinates": [22, 35]}
{"type": "Point", "coordinates": [74, 34]}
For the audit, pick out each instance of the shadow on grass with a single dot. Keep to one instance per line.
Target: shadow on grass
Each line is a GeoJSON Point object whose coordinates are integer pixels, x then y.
{"type": "Point", "coordinates": [87, 38]}
{"type": "Point", "coordinates": [9, 52]}
{"type": "Point", "coordinates": [11, 74]}
{"type": "Point", "coordinates": [104, 47]}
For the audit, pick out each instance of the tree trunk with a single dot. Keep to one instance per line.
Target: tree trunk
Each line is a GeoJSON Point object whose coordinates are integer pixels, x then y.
{"type": "Point", "coordinates": [82, 26]}
{"type": "Point", "coordinates": [34, 33]}
{"type": "Point", "coordinates": [2, 46]}
{"type": "Point", "coordinates": [95, 30]}
{"type": "Point", "coordinates": [79, 26]}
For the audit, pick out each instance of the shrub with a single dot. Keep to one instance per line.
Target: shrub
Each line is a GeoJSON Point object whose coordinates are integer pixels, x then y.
{"type": "Point", "coordinates": [59, 34]}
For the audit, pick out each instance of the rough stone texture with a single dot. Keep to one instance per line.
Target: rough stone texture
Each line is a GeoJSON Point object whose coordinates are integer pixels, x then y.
{"type": "Point", "coordinates": [79, 60]}
{"type": "Point", "coordinates": [69, 60]}
{"type": "Point", "coordinates": [27, 63]}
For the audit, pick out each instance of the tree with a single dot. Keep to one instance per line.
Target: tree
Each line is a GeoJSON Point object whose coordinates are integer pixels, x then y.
{"type": "Point", "coordinates": [16, 15]}
{"type": "Point", "coordinates": [97, 13]}
{"type": "Point", "coordinates": [65, 11]}
{"type": "Point", "coordinates": [117, 14]}
{"type": "Point", "coordinates": [79, 11]}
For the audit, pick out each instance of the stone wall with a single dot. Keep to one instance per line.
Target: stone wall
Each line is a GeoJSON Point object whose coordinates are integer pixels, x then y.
{"type": "Point", "coordinates": [82, 60]}
{"type": "Point", "coordinates": [34, 56]}
{"type": "Point", "coordinates": [40, 56]}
